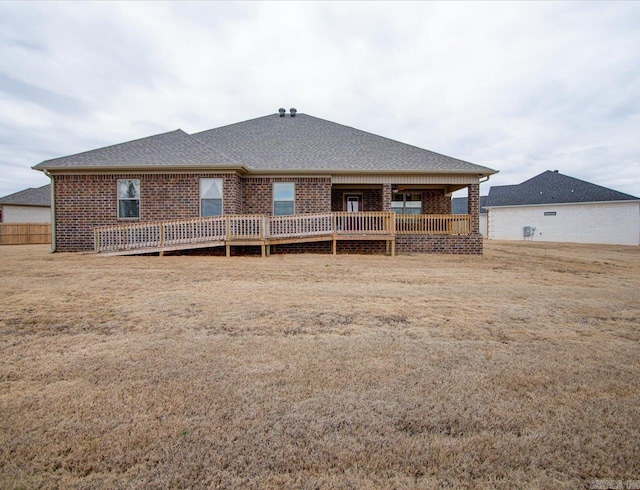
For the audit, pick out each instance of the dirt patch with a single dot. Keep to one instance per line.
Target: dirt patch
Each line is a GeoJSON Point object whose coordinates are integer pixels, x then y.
{"type": "Point", "coordinates": [519, 368]}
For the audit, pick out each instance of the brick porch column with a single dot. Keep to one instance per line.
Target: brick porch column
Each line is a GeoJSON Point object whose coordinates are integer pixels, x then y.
{"type": "Point", "coordinates": [473, 207]}
{"type": "Point", "coordinates": [386, 197]}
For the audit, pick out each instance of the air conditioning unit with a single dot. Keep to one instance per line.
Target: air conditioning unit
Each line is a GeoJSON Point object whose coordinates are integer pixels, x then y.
{"type": "Point", "coordinates": [528, 231]}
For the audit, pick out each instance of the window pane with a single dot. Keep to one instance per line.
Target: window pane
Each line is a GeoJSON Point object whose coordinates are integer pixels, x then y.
{"type": "Point", "coordinates": [211, 207]}
{"type": "Point", "coordinates": [409, 210]}
{"type": "Point", "coordinates": [210, 188]}
{"type": "Point", "coordinates": [283, 191]}
{"type": "Point", "coordinates": [282, 208]}
{"type": "Point", "coordinates": [397, 197]}
{"type": "Point", "coordinates": [128, 208]}
{"type": "Point", "coordinates": [413, 204]}
{"type": "Point", "coordinates": [129, 189]}
{"type": "Point", "coordinates": [413, 197]}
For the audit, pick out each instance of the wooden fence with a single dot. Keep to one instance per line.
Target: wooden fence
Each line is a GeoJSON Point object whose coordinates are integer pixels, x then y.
{"type": "Point", "coordinates": [25, 233]}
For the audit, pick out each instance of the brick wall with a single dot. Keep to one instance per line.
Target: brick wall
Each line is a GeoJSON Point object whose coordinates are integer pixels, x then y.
{"type": "Point", "coordinates": [313, 195]}
{"type": "Point", "coordinates": [444, 244]}
{"type": "Point", "coordinates": [435, 201]}
{"type": "Point", "coordinates": [85, 201]}
{"type": "Point", "coordinates": [473, 207]}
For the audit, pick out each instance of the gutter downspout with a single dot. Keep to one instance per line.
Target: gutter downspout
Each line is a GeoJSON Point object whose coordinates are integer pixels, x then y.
{"type": "Point", "coordinates": [53, 212]}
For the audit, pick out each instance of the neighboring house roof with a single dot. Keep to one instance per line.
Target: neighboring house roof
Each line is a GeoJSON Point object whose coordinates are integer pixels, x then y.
{"type": "Point", "coordinates": [272, 143]}
{"type": "Point", "coordinates": [552, 188]}
{"type": "Point", "coordinates": [459, 205]}
{"type": "Point", "coordinates": [175, 148]}
{"type": "Point", "coordinates": [40, 196]}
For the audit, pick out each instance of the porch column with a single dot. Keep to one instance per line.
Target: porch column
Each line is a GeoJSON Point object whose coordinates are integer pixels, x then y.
{"type": "Point", "coordinates": [473, 207]}
{"type": "Point", "coordinates": [386, 198]}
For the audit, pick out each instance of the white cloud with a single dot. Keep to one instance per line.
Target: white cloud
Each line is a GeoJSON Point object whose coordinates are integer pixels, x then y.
{"type": "Point", "coordinates": [521, 87]}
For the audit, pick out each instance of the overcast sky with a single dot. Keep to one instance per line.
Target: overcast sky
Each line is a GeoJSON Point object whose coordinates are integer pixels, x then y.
{"type": "Point", "coordinates": [518, 87]}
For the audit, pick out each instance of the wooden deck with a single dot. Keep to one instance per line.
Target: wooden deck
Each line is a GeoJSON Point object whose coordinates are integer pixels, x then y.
{"type": "Point", "coordinates": [264, 231]}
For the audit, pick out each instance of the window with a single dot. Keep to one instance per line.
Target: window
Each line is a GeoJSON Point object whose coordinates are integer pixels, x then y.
{"type": "Point", "coordinates": [549, 213]}
{"type": "Point", "coordinates": [128, 198]}
{"type": "Point", "coordinates": [405, 203]}
{"type": "Point", "coordinates": [283, 198]}
{"type": "Point", "coordinates": [210, 197]}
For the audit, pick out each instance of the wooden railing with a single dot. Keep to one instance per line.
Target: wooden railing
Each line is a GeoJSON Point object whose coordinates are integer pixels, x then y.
{"type": "Point", "coordinates": [300, 225]}
{"type": "Point", "coordinates": [364, 223]}
{"type": "Point", "coordinates": [433, 224]}
{"type": "Point", "coordinates": [258, 228]}
{"type": "Point", "coordinates": [24, 233]}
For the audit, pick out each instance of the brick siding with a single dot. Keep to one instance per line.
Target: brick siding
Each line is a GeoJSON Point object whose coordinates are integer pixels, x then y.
{"type": "Point", "coordinates": [442, 244]}
{"type": "Point", "coordinates": [85, 201]}
{"type": "Point", "coordinates": [313, 195]}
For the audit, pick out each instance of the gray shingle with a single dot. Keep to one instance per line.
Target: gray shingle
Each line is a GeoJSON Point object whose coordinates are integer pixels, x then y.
{"type": "Point", "coordinates": [459, 205]}
{"type": "Point", "coordinates": [309, 143]}
{"type": "Point", "coordinates": [301, 143]}
{"type": "Point", "coordinates": [175, 148]}
{"type": "Point", "coordinates": [40, 196]}
{"type": "Point", "coordinates": [552, 188]}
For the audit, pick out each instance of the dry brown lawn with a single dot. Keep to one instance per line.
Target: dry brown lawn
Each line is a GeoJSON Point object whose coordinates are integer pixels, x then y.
{"type": "Point", "coordinates": [516, 369]}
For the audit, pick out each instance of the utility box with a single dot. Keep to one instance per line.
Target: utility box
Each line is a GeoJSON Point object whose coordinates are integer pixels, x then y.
{"type": "Point", "coordinates": [528, 231]}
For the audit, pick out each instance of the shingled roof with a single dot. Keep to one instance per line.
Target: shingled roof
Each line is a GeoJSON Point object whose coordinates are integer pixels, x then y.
{"type": "Point", "coordinates": [272, 143]}
{"type": "Point", "coordinates": [459, 205]}
{"type": "Point", "coordinates": [40, 196]}
{"type": "Point", "coordinates": [552, 188]}
{"type": "Point", "coordinates": [175, 148]}
{"type": "Point", "coordinates": [305, 142]}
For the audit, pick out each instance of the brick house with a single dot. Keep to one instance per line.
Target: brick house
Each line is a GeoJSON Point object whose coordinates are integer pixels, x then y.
{"type": "Point", "coordinates": [280, 165]}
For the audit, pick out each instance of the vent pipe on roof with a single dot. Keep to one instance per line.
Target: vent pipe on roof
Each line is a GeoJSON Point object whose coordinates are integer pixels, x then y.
{"type": "Point", "coordinates": [293, 112]}
{"type": "Point", "coordinates": [282, 111]}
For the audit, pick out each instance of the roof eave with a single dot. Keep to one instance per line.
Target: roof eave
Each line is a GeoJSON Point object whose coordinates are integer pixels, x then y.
{"type": "Point", "coordinates": [141, 168]}
{"type": "Point", "coordinates": [346, 171]}
{"type": "Point", "coordinates": [618, 201]}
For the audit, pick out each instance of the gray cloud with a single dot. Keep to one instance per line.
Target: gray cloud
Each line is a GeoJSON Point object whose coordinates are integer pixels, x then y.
{"type": "Point", "coordinates": [521, 87]}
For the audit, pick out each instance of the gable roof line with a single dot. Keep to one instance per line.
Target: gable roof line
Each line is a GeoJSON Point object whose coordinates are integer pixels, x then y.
{"type": "Point", "coordinates": [553, 188]}
{"type": "Point", "coordinates": [108, 146]}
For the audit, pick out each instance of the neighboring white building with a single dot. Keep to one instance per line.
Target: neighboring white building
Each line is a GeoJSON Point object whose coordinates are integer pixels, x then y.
{"type": "Point", "coordinates": [459, 206]}
{"type": "Point", "coordinates": [27, 206]}
{"type": "Point", "coordinates": [553, 207]}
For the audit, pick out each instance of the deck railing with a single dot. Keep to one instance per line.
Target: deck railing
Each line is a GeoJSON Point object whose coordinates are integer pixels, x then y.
{"type": "Point", "coordinates": [300, 225]}
{"type": "Point", "coordinates": [258, 228]}
{"type": "Point", "coordinates": [364, 223]}
{"type": "Point", "coordinates": [433, 224]}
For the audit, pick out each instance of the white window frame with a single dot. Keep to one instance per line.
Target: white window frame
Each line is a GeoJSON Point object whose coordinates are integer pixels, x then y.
{"type": "Point", "coordinates": [293, 200]}
{"type": "Point", "coordinates": [403, 209]}
{"type": "Point", "coordinates": [211, 198]}
{"type": "Point", "coordinates": [136, 182]}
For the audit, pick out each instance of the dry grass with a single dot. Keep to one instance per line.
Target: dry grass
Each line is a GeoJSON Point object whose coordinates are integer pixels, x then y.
{"type": "Point", "coordinates": [516, 369]}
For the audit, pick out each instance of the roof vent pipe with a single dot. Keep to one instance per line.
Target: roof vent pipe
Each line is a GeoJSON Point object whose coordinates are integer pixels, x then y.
{"type": "Point", "coordinates": [293, 112]}
{"type": "Point", "coordinates": [282, 111]}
